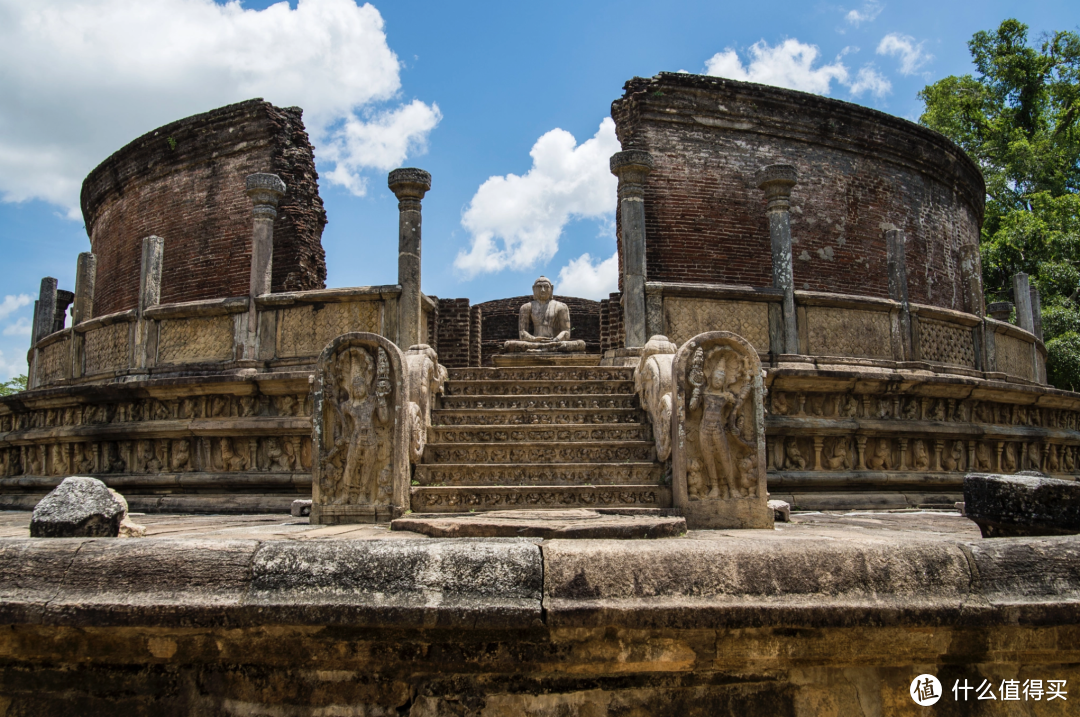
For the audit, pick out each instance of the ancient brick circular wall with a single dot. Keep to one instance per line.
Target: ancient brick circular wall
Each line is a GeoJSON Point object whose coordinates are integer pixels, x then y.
{"type": "Point", "coordinates": [860, 172]}
{"type": "Point", "coordinates": [184, 182]}
{"type": "Point", "coordinates": [499, 323]}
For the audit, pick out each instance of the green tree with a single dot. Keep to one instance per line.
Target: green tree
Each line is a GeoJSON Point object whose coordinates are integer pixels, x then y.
{"type": "Point", "coordinates": [13, 386]}
{"type": "Point", "coordinates": [1018, 117]}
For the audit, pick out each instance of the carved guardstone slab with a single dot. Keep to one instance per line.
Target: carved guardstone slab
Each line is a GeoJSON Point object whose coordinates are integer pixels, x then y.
{"type": "Point", "coordinates": [360, 466]}
{"type": "Point", "coordinates": [718, 434]}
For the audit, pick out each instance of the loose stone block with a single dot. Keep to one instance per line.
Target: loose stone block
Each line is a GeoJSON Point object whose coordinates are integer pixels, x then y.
{"type": "Point", "coordinates": [718, 434]}
{"type": "Point", "coordinates": [82, 507]}
{"type": "Point", "coordinates": [300, 508]}
{"type": "Point", "coordinates": [1016, 505]}
{"type": "Point", "coordinates": [781, 510]}
{"type": "Point", "coordinates": [360, 431]}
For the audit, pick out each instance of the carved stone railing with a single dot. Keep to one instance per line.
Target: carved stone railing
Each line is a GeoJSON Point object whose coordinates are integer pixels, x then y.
{"type": "Point", "coordinates": [211, 336]}
{"type": "Point", "coordinates": [839, 330]}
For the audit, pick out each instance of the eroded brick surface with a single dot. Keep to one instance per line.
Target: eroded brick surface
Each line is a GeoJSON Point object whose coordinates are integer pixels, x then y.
{"type": "Point", "coordinates": [860, 172]}
{"type": "Point", "coordinates": [185, 182]}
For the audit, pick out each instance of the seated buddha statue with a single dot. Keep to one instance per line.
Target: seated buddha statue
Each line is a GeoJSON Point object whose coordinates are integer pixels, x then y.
{"type": "Point", "coordinates": [543, 324]}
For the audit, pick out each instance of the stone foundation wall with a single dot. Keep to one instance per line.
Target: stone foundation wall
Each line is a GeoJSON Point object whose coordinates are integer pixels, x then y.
{"type": "Point", "coordinates": [859, 172]}
{"type": "Point", "coordinates": [426, 628]}
{"type": "Point", "coordinates": [184, 182]}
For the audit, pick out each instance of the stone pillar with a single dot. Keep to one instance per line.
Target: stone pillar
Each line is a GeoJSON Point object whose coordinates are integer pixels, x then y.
{"type": "Point", "coordinates": [85, 277]}
{"type": "Point", "coordinates": [632, 167]}
{"type": "Point", "coordinates": [409, 186]}
{"type": "Point", "coordinates": [975, 299]}
{"type": "Point", "coordinates": [896, 264]}
{"type": "Point", "coordinates": [44, 313]}
{"type": "Point", "coordinates": [45, 309]}
{"type": "Point", "coordinates": [265, 191]}
{"type": "Point", "coordinates": [1036, 313]}
{"type": "Point", "coordinates": [153, 252]}
{"type": "Point", "coordinates": [777, 180]}
{"type": "Point", "coordinates": [1022, 296]}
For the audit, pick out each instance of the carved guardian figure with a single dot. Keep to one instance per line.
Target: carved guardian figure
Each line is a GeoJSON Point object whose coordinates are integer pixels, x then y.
{"type": "Point", "coordinates": [360, 434]}
{"type": "Point", "coordinates": [718, 433]}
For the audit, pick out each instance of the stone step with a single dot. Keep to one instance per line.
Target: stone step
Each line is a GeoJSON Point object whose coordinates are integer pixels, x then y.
{"type": "Point", "coordinates": [535, 416]}
{"type": "Point", "coordinates": [527, 453]}
{"type": "Point", "coordinates": [543, 373]}
{"type": "Point", "coordinates": [540, 402]}
{"type": "Point", "coordinates": [516, 387]}
{"type": "Point", "coordinates": [485, 434]}
{"type": "Point", "coordinates": [536, 474]}
{"type": "Point", "coordinates": [484, 498]}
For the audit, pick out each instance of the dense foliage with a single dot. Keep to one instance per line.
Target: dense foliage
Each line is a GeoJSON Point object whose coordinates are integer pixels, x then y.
{"type": "Point", "coordinates": [13, 386]}
{"type": "Point", "coordinates": [1018, 117]}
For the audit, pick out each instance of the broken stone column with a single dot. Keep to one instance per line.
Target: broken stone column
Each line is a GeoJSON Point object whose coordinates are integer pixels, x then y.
{"type": "Point", "coordinates": [409, 185]}
{"type": "Point", "coordinates": [776, 181]}
{"type": "Point", "coordinates": [153, 252]}
{"type": "Point", "coordinates": [1022, 296]}
{"type": "Point", "coordinates": [85, 277]}
{"type": "Point", "coordinates": [896, 263]}
{"type": "Point", "coordinates": [44, 313]}
{"type": "Point", "coordinates": [45, 309]}
{"type": "Point", "coordinates": [632, 167]}
{"type": "Point", "coordinates": [265, 191]}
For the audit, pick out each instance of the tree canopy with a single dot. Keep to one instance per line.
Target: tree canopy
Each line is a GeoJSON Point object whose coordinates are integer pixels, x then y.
{"type": "Point", "coordinates": [1018, 117]}
{"type": "Point", "coordinates": [13, 386]}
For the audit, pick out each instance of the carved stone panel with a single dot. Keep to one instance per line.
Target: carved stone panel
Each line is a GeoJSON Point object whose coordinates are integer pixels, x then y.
{"type": "Point", "coordinates": [305, 330]}
{"type": "Point", "coordinates": [685, 318]}
{"type": "Point", "coordinates": [718, 433]}
{"type": "Point", "coordinates": [107, 348]}
{"type": "Point", "coordinates": [360, 470]}
{"type": "Point", "coordinates": [848, 332]}
{"type": "Point", "coordinates": [204, 338]}
{"type": "Point", "coordinates": [55, 362]}
{"type": "Point", "coordinates": [1014, 356]}
{"type": "Point", "coordinates": [946, 343]}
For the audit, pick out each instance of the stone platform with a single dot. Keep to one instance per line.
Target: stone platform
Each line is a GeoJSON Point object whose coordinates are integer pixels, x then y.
{"type": "Point", "coordinates": [832, 614]}
{"type": "Point", "coordinates": [549, 524]}
{"type": "Point", "coordinates": [545, 359]}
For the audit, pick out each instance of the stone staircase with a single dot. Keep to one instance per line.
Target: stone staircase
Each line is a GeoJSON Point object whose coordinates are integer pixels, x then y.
{"type": "Point", "coordinates": [529, 438]}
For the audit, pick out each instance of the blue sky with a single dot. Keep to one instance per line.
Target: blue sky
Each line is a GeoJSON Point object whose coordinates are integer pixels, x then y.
{"type": "Point", "coordinates": [504, 103]}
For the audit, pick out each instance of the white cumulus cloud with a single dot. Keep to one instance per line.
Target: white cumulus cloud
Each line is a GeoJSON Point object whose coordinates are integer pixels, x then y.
{"type": "Point", "coordinates": [516, 221]}
{"type": "Point", "coordinates": [588, 279]}
{"type": "Point", "coordinates": [867, 13]}
{"type": "Point", "coordinates": [19, 328]}
{"type": "Point", "coordinates": [11, 369]}
{"type": "Point", "coordinates": [83, 79]}
{"type": "Point", "coordinates": [794, 65]}
{"type": "Point", "coordinates": [911, 53]}
{"type": "Point", "coordinates": [13, 303]}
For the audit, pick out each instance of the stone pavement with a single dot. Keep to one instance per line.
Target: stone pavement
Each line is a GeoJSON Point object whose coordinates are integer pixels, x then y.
{"type": "Point", "coordinates": [859, 527]}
